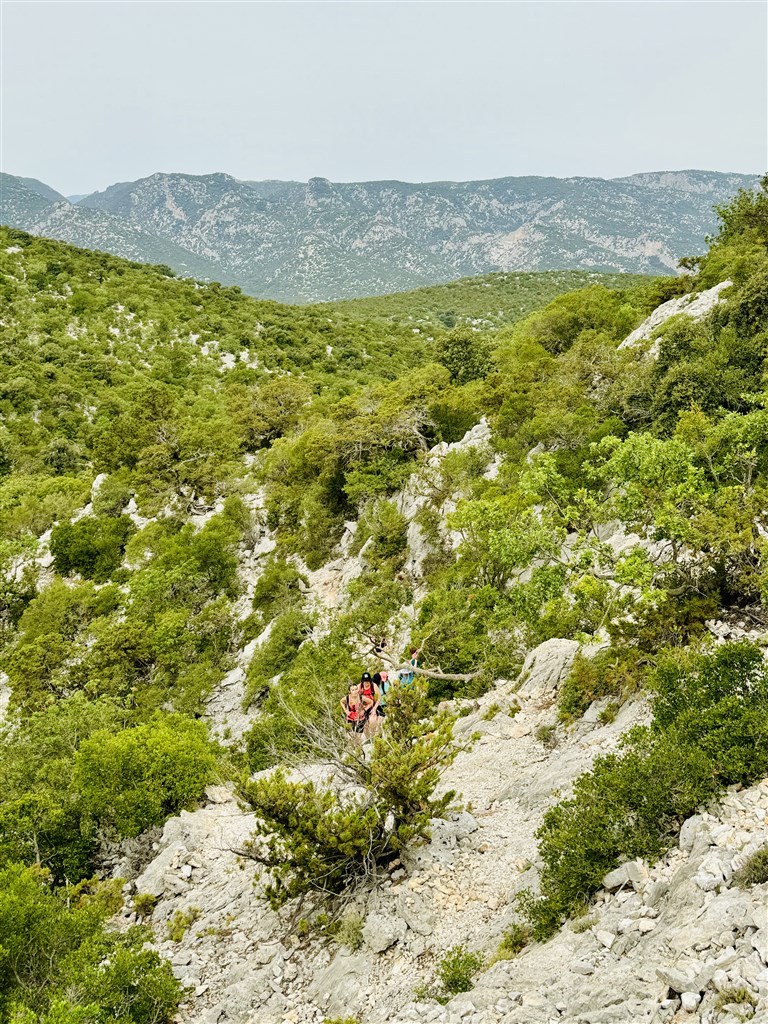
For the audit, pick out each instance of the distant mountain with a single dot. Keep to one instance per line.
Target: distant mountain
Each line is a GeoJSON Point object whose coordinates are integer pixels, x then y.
{"type": "Point", "coordinates": [41, 189]}
{"type": "Point", "coordinates": [22, 206]}
{"type": "Point", "coordinates": [322, 240]}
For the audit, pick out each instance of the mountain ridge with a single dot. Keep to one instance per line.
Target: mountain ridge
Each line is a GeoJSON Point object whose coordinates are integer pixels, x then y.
{"type": "Point", "coordinates": [323, 240]}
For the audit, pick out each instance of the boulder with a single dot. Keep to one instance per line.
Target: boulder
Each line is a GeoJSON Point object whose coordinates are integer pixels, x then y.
{"type": "Point", "coordinates": [381, 931]}
{"type": "Point", "coordinates": [419, 917]}
{"type": "Point", "coordinates": [689, 831]}
{"type": "Point", "coordinates": [690, 1000]}
{"type": "Point", "coordinates": [340, 988]}
{"type": "Point", "coordinates": [546, 667]}
{"type": "Point", "coordinates": [696, 306]}
{"type": "Point", "coordinates": [634, 873]}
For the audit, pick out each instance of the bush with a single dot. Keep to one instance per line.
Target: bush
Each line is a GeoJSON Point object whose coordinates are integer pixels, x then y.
{"type": "Point", "coordinates": [755, 871]}
{"type": "Point", "coordinates": [710, 730]}
{"type": "Point", "coordinates": [180, 922]}
{"type": "Point", "coordinates": [136, 778]}
{"type": "Point", "coordinates": [277, 589]}
{"type": "Point", "coordinates": [457, 969]}
{"type": "Point", "coordinates": [608, 673]}
{"type": "Point", "coordinates": [349, 932]}
{"type": "Point", "coordinates": [323, 841]}
{"type": "Point", "coordinates": [61, 965]}
{"type": "Point", "coordinates": [113, 495]}
{"type": "Point", "coordinates": [93, 546]}
{"type": "Point", "coordinates": [514, 939]}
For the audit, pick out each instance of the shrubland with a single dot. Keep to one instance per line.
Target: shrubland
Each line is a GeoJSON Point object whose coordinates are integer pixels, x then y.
{"type": "Point", "coordinates": [187, 400]}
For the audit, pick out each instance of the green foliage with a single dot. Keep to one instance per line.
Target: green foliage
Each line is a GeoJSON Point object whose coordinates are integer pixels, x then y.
{"type": "Point", "coordinates": [740, 997]}
{"type": "Point", "coordinates": [288, 633]}
{"type": "Point", "coordinates": [710, 730]}
{"type": "Point", "coordinates": [277, 589]}
{"type": "Point", "coordinates": [92, 546]}
{"type": "Point", "coordinates": [466, 355]}
{"type": "Point", "coordinates": [113, 495]}
{"type": "Point", "coordinates": [385, 527]}
{"type": "Point", "coordinates": [457, 968]}
{"type": "Point", "coordinates": [610, 673]}
{"type": "Point", "coordinates": [557, 327]}
{"type": "Point", "coordinates": [754, 871]}
{"type": "Point", "coordinates": [144, 903]}
{"type": "Point", "coordinates": [349, 931]}
{"type": "Point", "coordinates": [513, 941]}
{"type": "Point", "coordinates": [135, 779]}
{"type": "Point", "coordinates": [490, 300]}
{"type": "Point", "coordinates": [180, 922]}
{"type": "Point", "coordinates": [41, 818]}
{"type": "Point", "coordinates": [321, 841]}
{"type": "Point", "coordinates": [59, 964]}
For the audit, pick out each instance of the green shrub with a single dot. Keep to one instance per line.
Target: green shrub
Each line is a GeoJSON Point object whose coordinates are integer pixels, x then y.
{"type": "Point", "coordinates": [514, 939]}
{"type": "Point", "coordinates": [457, 969]}
{"type": "Point", "coordinates": [321, 842]}
{"type": "Point", "coordinates": [546, 735]}
{"type": "Point", "coordinates": [710, 730]}
{"type": "Point", "coordinates": [755, 871]}
{"type": "Point", "coordinates": [277, 589]}
{"type": "Point", "coordinates": [385, 527]}
{"type": "Point", "coordinates": [609, 673]}
{"type": "Point", "coordinates": [736, 996]}
{"type": "Point", "coordinates": [59, 961]}
{"type": "Point", "coordinates": [289, 631]}
{"type": "Point", "coordinates": [144, 903]}
{"type": "Point", "coordinates": [113, 494]}
{"type": "Point", "coordinates": [719, 703]}
{"type": "Point", "coordinates": [180, 922]}
{"type": "Point", "coordinates": [349, 931]}
{"type": "Point", "coordinates": [136, 778]}
{"type": "Point", "coordinates": [93, 546]}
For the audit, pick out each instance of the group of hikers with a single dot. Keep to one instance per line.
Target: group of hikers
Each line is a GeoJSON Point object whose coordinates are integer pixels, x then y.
{"type": "Point", "coordinates": [364, 705]}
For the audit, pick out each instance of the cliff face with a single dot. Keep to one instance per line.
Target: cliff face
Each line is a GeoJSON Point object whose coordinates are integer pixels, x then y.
{"type": "Point", "coordinates": [324, 240]}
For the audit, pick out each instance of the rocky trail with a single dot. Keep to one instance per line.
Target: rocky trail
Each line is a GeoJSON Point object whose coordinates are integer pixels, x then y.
{"type": "Point", "coordinates": [661, 943]}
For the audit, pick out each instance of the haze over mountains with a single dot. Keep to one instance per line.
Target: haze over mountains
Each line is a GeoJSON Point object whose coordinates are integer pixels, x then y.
{"type": "Point", "coordinates": [315, 241]}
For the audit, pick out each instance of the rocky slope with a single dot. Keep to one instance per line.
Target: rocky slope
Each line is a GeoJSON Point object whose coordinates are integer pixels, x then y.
{"type": "Point", "coordinates": [323, 240]}
{"type": "Point", "coordinates": [657, 938]}
{"type": "Point", "coordinates": [674, 941]}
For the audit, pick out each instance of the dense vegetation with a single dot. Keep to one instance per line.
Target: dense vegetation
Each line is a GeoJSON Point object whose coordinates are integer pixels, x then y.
{"type": "Point", "coordinates": [485, 302]}
{"type": "Point", "coordinates": [141, 415]}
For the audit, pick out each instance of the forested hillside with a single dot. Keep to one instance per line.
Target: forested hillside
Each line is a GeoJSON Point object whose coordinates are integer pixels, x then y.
{"type": "Point", "coordinates": [484, 302]}
{"type": "Point", "coordinates": [196, 484]}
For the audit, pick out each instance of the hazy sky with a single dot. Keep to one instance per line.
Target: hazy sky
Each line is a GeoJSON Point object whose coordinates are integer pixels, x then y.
{"type": "Point", "coordinates": [100, 92]}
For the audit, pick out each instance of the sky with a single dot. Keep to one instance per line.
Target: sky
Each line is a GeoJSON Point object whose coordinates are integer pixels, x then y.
{"type": "Point", "coordinates": [99, 92]}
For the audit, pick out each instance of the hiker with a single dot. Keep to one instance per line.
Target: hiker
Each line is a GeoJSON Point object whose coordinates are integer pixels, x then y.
{"type": "Point", "coordinates": [385, 685]}
{"type": "Point", "coordinates": [356, 708]}
{"type": "Point", "coordinates": [370, 691]}
{"type": "Point", "coordinates": [405, 676]}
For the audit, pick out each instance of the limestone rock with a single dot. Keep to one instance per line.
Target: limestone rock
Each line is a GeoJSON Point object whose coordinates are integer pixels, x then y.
{"type": "Point", "coordinates": [696, 306]}
{"type": "Point", "coordinates": [546, 667]}
{"type": "Point", "coordinates": [340, 988]}
{"type": "Point", "coordinates": [381, 931]}
{"type": "Point", "coordinates": [634, 872]}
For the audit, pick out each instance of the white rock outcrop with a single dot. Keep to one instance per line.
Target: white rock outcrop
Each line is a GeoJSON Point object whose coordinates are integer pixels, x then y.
{"type": "Point", "coordinates": [696, 306]}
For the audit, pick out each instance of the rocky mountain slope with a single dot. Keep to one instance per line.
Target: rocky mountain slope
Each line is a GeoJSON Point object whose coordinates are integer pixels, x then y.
{"type": "Point", "coordinates": [324, 240]}
{"type": "Point", "coordinates": [678, 940]}
{"type": "Point", "coordinates": [215, 512]}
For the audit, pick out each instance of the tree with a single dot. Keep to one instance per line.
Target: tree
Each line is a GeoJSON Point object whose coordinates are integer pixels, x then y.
{"type": "Point", "coordinates": [466, 354]}
{"type": "Point", "coordinates": [324, 841]}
